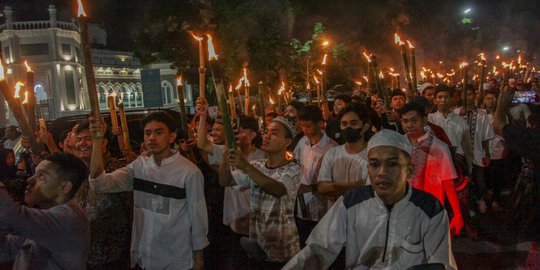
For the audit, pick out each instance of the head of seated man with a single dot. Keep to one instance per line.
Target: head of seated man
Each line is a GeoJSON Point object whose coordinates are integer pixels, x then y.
{"type": "Point", "coordinates": [56, 181]}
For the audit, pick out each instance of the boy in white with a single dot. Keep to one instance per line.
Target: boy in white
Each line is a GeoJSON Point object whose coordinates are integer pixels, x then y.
{"type": "Point", "coordinates": [434, 170]}
{"type": "Point", "coordinates": [481, 132]}
{"type": "Point", "coordinates": [387, 225]}
{"type": "Point", "coordinates": [309, 152]}
{"type": "Point", "coordinates": [345, 166]}
{"type": "Point", "coordinates": [170, 220]}
{"type": "Point", "coordinates": [274, 183]}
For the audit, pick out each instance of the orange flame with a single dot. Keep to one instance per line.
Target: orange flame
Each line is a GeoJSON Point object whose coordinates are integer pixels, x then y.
{"type": "Point", "coordinates": [80, 10]}
{"type": "Point", "coordinates": [368, 58]}
{"type": "Point", "coordinates": [482, 56]}
{"type": "Point", "coordinates": [2, 72]}
{"type": "Point", "coordinates": [17, 89]}
{"type": "Point", "coordinates": [316, 80]}
{"type": "Point", "coordinates": [325, 43]}
{"type": "Point", "coordinates": [230, 88]}
{"type": "Point", "coordinates": [324, 59]}
{"type": "Point", "coordinates": [319, 71]}
{"type": "Point", "coordinates": [28, 69]}
{"type": "Point", "coordinates": [381, 75]}
{"type": "Point", "coordinates": [197, 38]}
{"type": "Point", "coordinates": [179, 80]}
{"type": "Point", "coordinates": [397, 39]}
{"type": "Point", "coordinates": [519, 60]}
{"type": "Point", "coordinates": [391, 69]}
{"type": "Point", "coordinates": [505, 65]}
{"type": "Point", "coordinates": [289, 155]}
{"type": "Point", "coordinates": [440, 76]}
{"type": "Point", "coordinates": [451, 74]}
{"type": "Point", "coordinates": [365, 78]}
{"type": "Point", "coordinates": [358, 83]}
{"type": "Point", "coordinates": [25, 101]}
{"type": "Point", "coordinates": [410, 45]}
{"type": "Point", "coordinates": [211, 52]}
{"type": "Point", "coordinates": [281, 89]}
{"type": "Point", "coordinates": [463, 64]}
{"type": "Point", "coordinates": [239, 85]}
{"type": "Point", "coordinates": [423, 74]}
{"type": "Point", "coordinates": [271, 100]}
{"type": "Point", "coordinates": [246, 81]}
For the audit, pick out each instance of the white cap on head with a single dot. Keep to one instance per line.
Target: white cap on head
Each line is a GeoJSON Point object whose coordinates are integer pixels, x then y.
{"type": "Point", "coordinates": [387, 137]}
{"type": "Point", "coordinates": [424, 86]}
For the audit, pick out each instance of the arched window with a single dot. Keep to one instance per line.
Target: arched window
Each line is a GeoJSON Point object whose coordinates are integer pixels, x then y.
{"type": "Point", "coordinates": [167, 92]}
{"type": "Point", "coordinates": [140, 100]}
{"type": "Point", "coordinates": [102, 96]}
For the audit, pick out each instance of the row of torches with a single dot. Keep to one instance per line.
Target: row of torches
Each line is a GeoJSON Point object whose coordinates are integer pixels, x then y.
{"type": "Point", "coordinates": [229, 109]}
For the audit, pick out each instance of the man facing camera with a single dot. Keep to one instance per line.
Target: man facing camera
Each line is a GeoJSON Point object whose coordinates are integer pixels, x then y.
{"type": "Point", "coordinates": [52, 232]}
{"type": "Point", "coordinates": [405, 226]}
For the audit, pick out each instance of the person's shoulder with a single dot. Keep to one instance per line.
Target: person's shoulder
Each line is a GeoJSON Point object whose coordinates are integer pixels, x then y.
{"type": "Point", "coordinates": [426, 202]}
{"type": "Point", "coordinates": [358, 195]}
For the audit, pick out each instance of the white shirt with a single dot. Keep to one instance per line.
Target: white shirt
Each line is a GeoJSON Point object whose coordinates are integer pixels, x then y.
{"type": "Point", "coordinates": [483, 131]}
{"type": "Point", "coordinates": [454, 126]}
{"type": "Point", "coordinates": [236, 200]}
{"type": "Point", "coordinates": [415, 231]}
{"type": "Point", "coordinates": [338, 166]}
{"type": "Point", "coordinates": [271, 221]}
{"type": "Point", "coordinates": [310, 158]}
{"type": "Point", "coordinates": [433, 170]}
{"type": "Point", "coordinates": [496, 146]}
{"type": "Point", "coordinates": [167, 227]}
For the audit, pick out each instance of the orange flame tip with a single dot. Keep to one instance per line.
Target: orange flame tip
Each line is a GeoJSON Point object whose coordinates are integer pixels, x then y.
{"type": "Point", "coordinates": [28, 69]}
{"type": "Point", "coordinates": [397, 39]}
{"type": "Point", "coordinates": [281, 89]}
{"type": "Point", "coordinates": [197, 38]}
{"type": "Point", "coordinates": [368, 58]}
{"type": "Point", "coordinates": [410, 45]}
{"type": "Point", "coordinates": [211, 52]}
{"type": "Point", "coordinates": [324, 59]}
{"type": "Point", "coordinates": [80, 10]}
{"type": "Point", "coordinates": [17, 89]}
{"type": "Point", "coordinates": [179, 80]}
{"type": "Point", "coordinates": [25, 101]}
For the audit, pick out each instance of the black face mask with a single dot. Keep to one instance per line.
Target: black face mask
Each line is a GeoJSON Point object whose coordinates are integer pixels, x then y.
{"type": "Point", "coordinates": [351, 135]}
{"type": "Point", "coordinates": [291, 119]}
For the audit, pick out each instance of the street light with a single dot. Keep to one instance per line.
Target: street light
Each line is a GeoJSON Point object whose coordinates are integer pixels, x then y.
{"type": "Point", "coordinates": [506, 48]}
{"type": "Point", "coordinates": [466, 11]}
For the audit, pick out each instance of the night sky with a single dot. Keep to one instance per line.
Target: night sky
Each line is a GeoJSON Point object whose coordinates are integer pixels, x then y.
{"type": "Point", "coordinates": [435, 26]}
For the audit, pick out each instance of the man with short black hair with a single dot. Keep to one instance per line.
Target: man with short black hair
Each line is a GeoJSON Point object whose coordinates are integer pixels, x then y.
{"type": "Point", "coordinates": [52, 231]}
{"type": "Point", "coordinates": [332, 125]}
{"type": "Point", "coordinates": [434, 170]}
{"type": "Point", "coordinates": [170, 220]}
{"type": "Point", "coordinates": [387, 225]}
{"type": "Point", "coordinates": [309, 152]}
{"type": "Point", "coordinates": [274, 183]}
{"type": "Point", "coordinates": [345, 166]}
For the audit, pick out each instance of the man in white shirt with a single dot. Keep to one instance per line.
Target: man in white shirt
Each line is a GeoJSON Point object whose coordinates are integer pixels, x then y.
{"type": "Point", "coordinates": [481, 132]}
{"type": "Point", "coordinates": [387, 225]}
{"type": "Point", "coordinates": [345, 166]}
{"type": "Point", "coordinates": [434, 170]}
{"type": "Point", "coordinates": [274, 183]}
{"type": "Point", "coordinates": [456, 127]}
{"type": "Point", "coordinates": [170, 220]}
{"type": "Point", "coordinates": [309, 152]}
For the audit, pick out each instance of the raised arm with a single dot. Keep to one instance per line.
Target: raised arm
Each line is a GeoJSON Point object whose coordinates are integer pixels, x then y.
{"type": "Point", "coordinates": [499, 118]}
{"type": "Point", "coordinates": [202, 132]}
{"type": "Point", "coordinates": [267, 184]}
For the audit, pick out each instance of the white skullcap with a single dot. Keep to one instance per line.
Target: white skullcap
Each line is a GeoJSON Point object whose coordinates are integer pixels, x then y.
{"type": "Point", "coordinates": [387, 137]}
{"type": "Point", "coordinates": [487, 86]}
{"type": "Point", "coordinates": [424, 86]}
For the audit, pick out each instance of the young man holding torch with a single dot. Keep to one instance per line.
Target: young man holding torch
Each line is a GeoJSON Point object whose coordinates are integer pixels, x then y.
{"type": "Point", "coordinates": [170, 217]}
{"type": "Point", "coordinates": [274, 183]}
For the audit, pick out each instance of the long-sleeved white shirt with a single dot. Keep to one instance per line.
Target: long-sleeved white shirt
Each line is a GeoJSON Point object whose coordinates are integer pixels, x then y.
{"type": "Point", "coordinates": [414, 231]}
{"type": "Point", "coordinates": [170, 218]}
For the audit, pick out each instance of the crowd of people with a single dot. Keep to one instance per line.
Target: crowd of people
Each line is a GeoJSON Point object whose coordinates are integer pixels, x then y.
{"type": "Point", "coordinates": [356, 183]}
